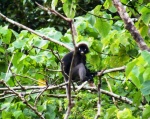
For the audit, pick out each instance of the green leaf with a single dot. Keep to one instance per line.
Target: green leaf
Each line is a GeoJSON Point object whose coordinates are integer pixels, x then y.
{"type": "Point", "coordinates": [38, 58]}
{"type": "Point", "coordinates": [125, 114]}
{"type": "Point", "coordinates": [3, 30]}
{"type": "Point", "coordinates": [146, 56]}
{"type": "Point", "coordinates": [15, 33]}
{"type": "Point", "coordinates": [16, 114]}
{"type": "Point", "coordinates": [91, 19]}
{"type": "Point", "coordinates": [146, 74]}
{"type": "Point", "coordinates": [146, 88]}
{"type": "Point", "coordinates": [6, 34]}
{"type": "Point", "coordinates": [146, 112]}
{"type": "Point", "coordinates": [97, 10]}
{"type": "Point", "coordinates": [51, 110]}
{"type": "Point", "coordinates": [145, 14]}
{"type": "Point", "coordinates": [19, 43]}
{"type": "Point", "coordinates": [137, 98]}
{"type": "Point", "coordinates": [7, 37]}
{"type": "Point", "coordinates": [107, 4]}
{"type": "Point", "coordinates": [2, 50]}
{"type": "Point", "coordinates": [130, 66]}
{"type": "Point", "coordinates": [50, 32]}
{"type": "Point", "coordinates": [135, 80]}
{"type": "Point", "coordinates": [114, 48]}
{"type": "Point", "coordinates": [113, 9]}
{"type": "Point", "coordinates": [6, 76]}
{"type": "Point", "coordinates": [6, 115]}
{"type": "Point", "coordinates": [102, 26]}
{"type": "Point", "coordinates": [53, 4]}
{"type": "Point", "coordinates": [18, 65]}
{"type": "Point", "coordinates": [110, 112]}
{"type": "Point", "coordinates": [144, 30]}
{"type": "Point", "coordinates": [69, 9]}
{"type": "Point", "coordinates": [40, 43]}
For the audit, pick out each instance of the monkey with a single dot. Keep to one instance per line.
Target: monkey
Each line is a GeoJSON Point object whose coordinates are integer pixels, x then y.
{"type": "Point", "coordinates": [79, 71]}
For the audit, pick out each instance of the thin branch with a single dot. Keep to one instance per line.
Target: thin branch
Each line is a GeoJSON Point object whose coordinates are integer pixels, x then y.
{"type": "Point", "coordinates": [81, 86]}
{"type": "Point", "coordinates": [34, 32]}
{"type": "Point", "coordinates": [21, 97]}
{"type": "Point", "coordinates": [54, 12]}
{"type": "Point", "coordinates": [99, 96]}
{"type": "Point", "coordinates": [9, 66]}
{"type": "Point", "coordinates": [129, 25]}
{"type": "Point", "coordinates": [122, 98]}
{"type": "Point", "coordinates": [111, 70]}
{"type": "Point", "coordinates": [36, 100]}
{"type": "Point", "coordinates": [70, 104]}
{"type": "Point", "coordinates": [73, 33]}
{"type": "Point", "coordinates": [29, 78]}
{"type": "Point", "coordinates": [62, 86]}
{"type": "Point", "coordinates": [109, 86]}
{"type": "Point", "coordinates": [35, 87]}
{"type": "Point", "coordinates": [60, 95]}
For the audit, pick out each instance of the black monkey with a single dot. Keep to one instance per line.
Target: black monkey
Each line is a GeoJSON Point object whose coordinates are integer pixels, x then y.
{"type": "Point", "coordinates": [79, 70]}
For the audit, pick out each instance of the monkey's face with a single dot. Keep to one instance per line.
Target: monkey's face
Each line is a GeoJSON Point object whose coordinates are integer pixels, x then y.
{"type": "Point", "coordinates": [82, 49]}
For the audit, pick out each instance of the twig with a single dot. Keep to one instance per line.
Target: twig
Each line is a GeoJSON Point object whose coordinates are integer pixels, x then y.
{"type": "Point", "coordinates": [54, 12]}
{"type": "Point", "coordinates": [29, 78]}
{"type": "Point", "coordinates": [36, 100]}
{"type": "Point", "coordinates": [70, 104]}
{"type": "Point", "coordinates": [9, 66]}
{"type": "Point", "coordinates": [109, 86]}
{"type": "Point", "coordinates": [99, 96]}
{"type": "Point", "coordinates": [81, 86]}
{"type": "Point", "coordinates": [60, 95]}
{"type": "Point", "coordinates": [35, 87]}
{"type": "Point", "coordinates": [111, 70]}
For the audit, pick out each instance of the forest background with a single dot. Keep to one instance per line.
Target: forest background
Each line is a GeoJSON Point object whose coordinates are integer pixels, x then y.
{"type": "Point", "coordinates": [34, 37]}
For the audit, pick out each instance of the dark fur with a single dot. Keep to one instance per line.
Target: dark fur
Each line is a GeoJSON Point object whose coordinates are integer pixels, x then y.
{"type": "Point", "coordinates": [79, 70]}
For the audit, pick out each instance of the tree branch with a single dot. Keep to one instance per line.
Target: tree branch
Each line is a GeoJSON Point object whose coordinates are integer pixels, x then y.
{"type": "Point", "coordinates": [21, 97]}
{"type": "Point", "coordinates": [62, 86]}
{"type": "Point", "coordinates": [34, 32]}
{"type": "Point", "coordinates": [129, 25]}
{"type": "Point", "coordinates": [111, 70]}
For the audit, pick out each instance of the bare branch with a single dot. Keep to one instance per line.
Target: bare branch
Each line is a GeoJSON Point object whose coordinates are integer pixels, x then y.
{"type": "Point", "coordinates": [99, 98]}
{"type": "Point", "coordinates": [62, 86]}
{"type": "Point", "coordinates": [111, 70]}
{"type": "Point", "coordinates": [109, 86]}
{"type": "Point", "coordinates": [60, 96]}
{"type": "Point", "coordinates": [54, 12]}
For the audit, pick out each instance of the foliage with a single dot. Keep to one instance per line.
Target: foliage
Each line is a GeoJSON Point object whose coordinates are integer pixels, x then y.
{"type": "Point", "coordinates": [28, 60]}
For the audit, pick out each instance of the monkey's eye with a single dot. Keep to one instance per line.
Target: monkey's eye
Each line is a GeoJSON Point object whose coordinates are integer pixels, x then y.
{"type": "Point", "coordinates": [84, 49]}
{"type": "Point", "coordinates": [79, 49]}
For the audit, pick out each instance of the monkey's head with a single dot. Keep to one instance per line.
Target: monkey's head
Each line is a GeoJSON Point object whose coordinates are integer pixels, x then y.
{"type": "Point", "coordinates": [82, 48]}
